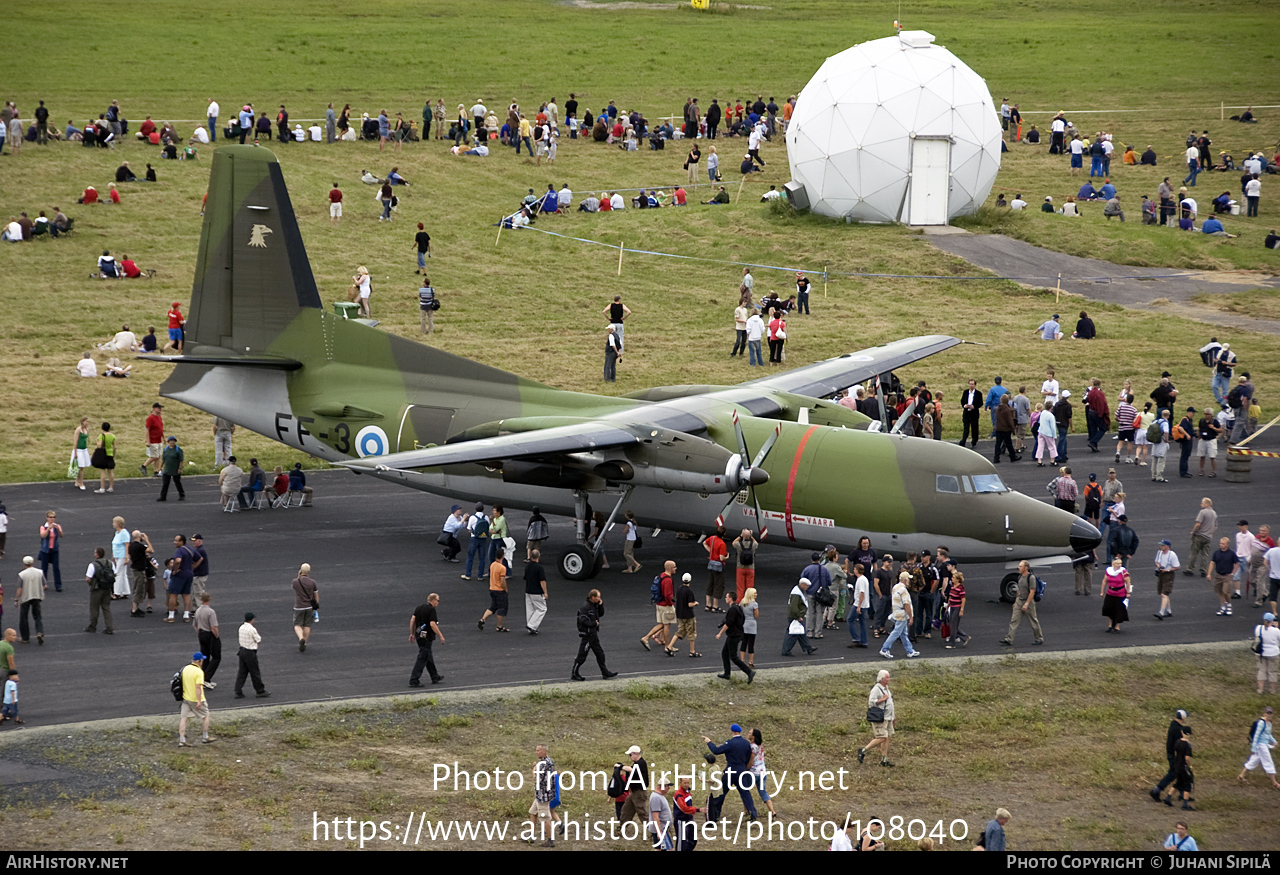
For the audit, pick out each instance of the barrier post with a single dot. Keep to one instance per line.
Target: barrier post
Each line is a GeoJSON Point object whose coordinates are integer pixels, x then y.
{"type": "Point", "coordinates": [499, 237]}
{"type": "Point", "coordinates": [740, 185]}
{"type": "Point", "coordinates": [1058, 291]}
{"type": "Point", "coordinates": [824, 281]}
{"type": "Point", "coordinates": [619, 258]}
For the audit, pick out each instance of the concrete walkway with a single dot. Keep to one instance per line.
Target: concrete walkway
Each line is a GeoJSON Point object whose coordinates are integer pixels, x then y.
{"type": "Point", "coordinates": [1101, 280]}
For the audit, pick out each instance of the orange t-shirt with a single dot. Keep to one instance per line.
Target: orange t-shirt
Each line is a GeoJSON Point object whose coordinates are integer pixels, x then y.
{"type": "Point", "coordinates": [498, 577]}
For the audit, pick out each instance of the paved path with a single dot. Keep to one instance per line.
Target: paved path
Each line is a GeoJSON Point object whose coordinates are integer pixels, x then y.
{"type": "Point", "coordinates": [1006, 256]}
{"type": "Point", "coordinates": [372, 546]}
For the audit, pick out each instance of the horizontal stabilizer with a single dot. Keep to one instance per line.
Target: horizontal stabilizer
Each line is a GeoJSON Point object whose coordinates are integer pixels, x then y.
{"type": "Point", "coordinates": [279, 363]}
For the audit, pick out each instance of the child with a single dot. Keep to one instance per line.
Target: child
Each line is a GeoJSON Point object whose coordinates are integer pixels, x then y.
{"type": "Point", "coordinates": [1255, 413]}
{"type": "Point", "coordinates": [10, 709]}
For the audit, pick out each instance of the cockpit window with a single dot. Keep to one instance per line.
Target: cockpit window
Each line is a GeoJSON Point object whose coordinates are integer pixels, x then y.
{"type": "Point", "coordinates": [988, 483]}
{"type": "Point", "coordinates": [948, 483]}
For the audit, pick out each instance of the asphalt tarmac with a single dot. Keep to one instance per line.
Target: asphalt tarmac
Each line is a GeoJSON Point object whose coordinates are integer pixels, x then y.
{"type": "Point", "coordinates": [372, 548]}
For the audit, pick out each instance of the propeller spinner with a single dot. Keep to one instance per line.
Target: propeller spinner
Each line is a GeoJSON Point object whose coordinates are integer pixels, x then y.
{"type": "Point", "coordinates": [750, 474]}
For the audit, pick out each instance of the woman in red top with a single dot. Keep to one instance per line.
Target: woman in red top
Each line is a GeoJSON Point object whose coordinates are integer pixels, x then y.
{"type": "Point", "coordinates": [90, 196]}
{"type": "Point", "coordinates": [279, 486]}
{"type": "Point", "coordinates": [777, 337]}
{"type": "Point", "coordinates": [176, 323]}
{"type": "Point", "coordinates": [1116, 587]}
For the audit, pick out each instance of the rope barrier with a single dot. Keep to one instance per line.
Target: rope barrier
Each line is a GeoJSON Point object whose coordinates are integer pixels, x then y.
{"type": "Point", "coordinates": [860, 274]}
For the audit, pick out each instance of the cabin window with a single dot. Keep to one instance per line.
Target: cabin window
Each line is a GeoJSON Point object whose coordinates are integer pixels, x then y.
{"type": "Point", "coordinates": [988, 483]}
{"type": "Point", "coordinates": [948, 483]}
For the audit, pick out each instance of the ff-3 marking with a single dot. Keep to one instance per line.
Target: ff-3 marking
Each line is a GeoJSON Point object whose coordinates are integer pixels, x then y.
{"type": "Point", "coordinates": [282, 427]}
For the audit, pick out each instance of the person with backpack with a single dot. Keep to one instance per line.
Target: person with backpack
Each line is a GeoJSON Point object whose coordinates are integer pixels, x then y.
{"type": "Point", "coordinates": [1261, 743]}
{"type": "Point", "coordinates": [1024, 605]}
{"type": "Point", "coordinates": [101, 579]}
{"type": "Point", "coordinates": [478, 543]}
{"type": "Point", "coordinates": [1183, 433]}
{"type": "Point", "coordinates": [662, 594]}
{"type": "Point", "coordinates": [1158, 436]}
{"type": "Point", "coordinates": [1238, 400]}
{"type": "Point", "coordinates": [1223, 361]}
{"type": "Point", "coordinates": [1179, 839]}
{"type": "Point", "coordinates": [191, 691]}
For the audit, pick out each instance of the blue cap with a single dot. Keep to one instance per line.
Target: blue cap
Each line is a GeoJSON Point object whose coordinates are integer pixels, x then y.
{"type": "Point", "coordinates": [197, 655]}
{"type": "Point", "coordinates": [173, 438]}
{"type": "Point", "coordinates": [1268, 617]}
{"type": "Point", "coordinates": [735, 728]}
{"type": "Point", "coordinates": [1166, 544]}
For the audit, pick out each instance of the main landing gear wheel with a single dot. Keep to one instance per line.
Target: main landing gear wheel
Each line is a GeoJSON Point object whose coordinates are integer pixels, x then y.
{"type": "Point", "coordinates": [1009, 587]}
{"type": "Point", "coordinates": [579, 563]}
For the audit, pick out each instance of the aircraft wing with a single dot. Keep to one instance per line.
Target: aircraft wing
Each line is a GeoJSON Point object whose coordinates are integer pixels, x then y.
{"type": "Point", "coordinates": [825, 378]}
{"type": "Point", "coordinates": [577, 438]}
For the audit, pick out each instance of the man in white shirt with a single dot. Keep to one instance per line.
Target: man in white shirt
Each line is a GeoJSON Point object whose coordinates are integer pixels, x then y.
{"type": "Point", "coordinates": [86, 367]}
{"type": "Point", "coordinates": [564, 198]}
{"type": "Point", "coordinates": [1166, 566]}
{"type": "Point", "coordinates": [1017, 203]}
{"type": "Point", "coordinates": [1077, 156]}
{"type": "Point", "coordinates": [1193, 165]}
{"type": "Point", "coordinates": [478, 112]}
{"type": "Point", "coordinates": [124, 341]}
{"type": "Point", "coordinates": [755, 331]}
{"type": "Point", "coordinates": [214, 109]}
{"type": "Point", "coordinates": [1272, 560]}
{"type": "Point", "coordinates": [199, 135]}
{"type": "Point", "coordinates": [616, 202]}
{"type": "Point", "coordinates": [1049, 390]}
{"type": "Point", "coordinates": [12, 232]}
{"type": "Point", "coordinates": [1252, 192]}
{"type": "Point", "coordinates": [249, 638]}
{"type": "Point", "coordinates": [1245, 540]}
{"type": "Point", "coordinates": [1253, 165]}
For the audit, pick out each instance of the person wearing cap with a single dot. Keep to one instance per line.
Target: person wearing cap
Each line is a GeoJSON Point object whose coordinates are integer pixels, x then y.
{"type": "Point", "coordinates": [176, 323]}
{"type": "Point", "coordinates": [1167, 566]}
{"type": "Point", "coordinates": [31, 599]}
{"type": "Point", "coordinates": [1183, 434]}
{"type": "Point", "coordinates": [478, 543]}
{"type": "Point", "coordinates": [1051, 329]}
{"type": "Point", "coordinates": [797, 608]}
{"type": "Point", "coordinates": [881, 697]}
{"type": "Point", "coordinates": [1238, 399]}
{"type": "Point", "coordinates": [155, 440]}
{"type": "Point", "coordinates": [171, 470]}
{"type": "Point", "coordinates": [1160, 448]}
{"type": "Point", "coordinates": [306, 604]}
{"type": "Point", "coordinates": [1177, 728]}
{"type": "Point", "coordinates": [1224, 364]}
{"type": "Point", "coordinates": [199, 569]}
{"type": "Point", "coordinates": [249, 638]}
{"type": "Point", "coordinates": [206, 625]}
{"type": "Point", "coordinates": [193, 700]}
{"type": "Point", "coordinates": [1261, 741]}
{"type": "Point", "coordinates": [635, 778]}
{"type": "Point", "coordinates": [1267, 636]}
{"type": "Point", "coordinates": [737, 762]}
{"type": "Point", "coordinates": [686, 604]}
{"type": "Point", "coordinates": [453, 523]}
{"type": "Point", "coordinates": [1202, 532]}
{"type": "Point", "coordinates": [902, 613]}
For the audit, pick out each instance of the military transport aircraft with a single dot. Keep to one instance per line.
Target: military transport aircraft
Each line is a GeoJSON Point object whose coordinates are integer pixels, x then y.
{"type": "Point", "coordinates": [263, 352]}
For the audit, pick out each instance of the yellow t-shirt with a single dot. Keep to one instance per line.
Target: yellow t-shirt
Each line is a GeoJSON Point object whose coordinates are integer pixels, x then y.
{"type": "Point", "coordinates": [498, 577]}
{"type": "Point", "coordinates": [193, 683]}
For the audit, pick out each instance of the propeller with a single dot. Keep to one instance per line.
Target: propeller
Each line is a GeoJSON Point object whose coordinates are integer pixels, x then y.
{"type": "Point", "coordinates": [750, 474]}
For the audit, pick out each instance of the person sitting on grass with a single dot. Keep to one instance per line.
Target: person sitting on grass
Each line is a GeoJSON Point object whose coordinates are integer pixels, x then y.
{"type": "Point", "coordinates": [107, 267]}
{"type": "Point", "coordinates": [1272, 241]}
{"type": "Point", "coordinates": [1032, 137]}
{"type": "Point", "coordinates": [1130, 157]}
{"type": "Point", "coordinates": [87, 367]}
{"type": "Point", "coordinates": [149, 340]}
{"type": "Point", "coordinates": [1222, 203]}
{"type": "Point", "coordinates": [130, 269]}
{"type": "Point", "coordinates": [124, 174]}
{"type": "Point", "coordinates": [115, 368]}
{"type": "Point", "coordinates": [1069, 206]}
{"type": "Point", "coordinates": [1017, 203]}
{"type": "Point", "coordinates": [1148, 158]}
{"type": "Point", "coordinates": [721, 197]}
{"type": "Point", "coordinates": [748, 166]}
{"type": "Point", "coordinates": [112, 193]}
{"type": "Point", "coordinates": [1047, 206]}
{"type": "Point", "coordinates": [90, 196]}
{"type": "Point", "coordinates": [1112, 208]}
{"type": "Point", "coordinates": [1087, 192]}
{"type": "Point", "coordinates": [1148, 210]}
{"type": "Point", "coordinates": [1000, 201]}
{"type": "Point", "coordinates": [1107, 192]}
{"type": "Point", "coordinates": [395, 178]}
{"type": "Point", "coordinates": [1213, 227]}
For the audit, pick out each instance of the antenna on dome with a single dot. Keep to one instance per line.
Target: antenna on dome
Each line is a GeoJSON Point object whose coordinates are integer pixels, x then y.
{"type": "Point", "coordinates": [897, 24]}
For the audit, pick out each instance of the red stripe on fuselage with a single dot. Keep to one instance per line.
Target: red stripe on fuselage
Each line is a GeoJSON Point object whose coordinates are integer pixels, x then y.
{"type": "Point", "coordinates": [791, 481]}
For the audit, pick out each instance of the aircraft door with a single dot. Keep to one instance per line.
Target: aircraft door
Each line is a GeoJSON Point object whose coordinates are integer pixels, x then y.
{"type": "Point", "coordinates": [421, 426]}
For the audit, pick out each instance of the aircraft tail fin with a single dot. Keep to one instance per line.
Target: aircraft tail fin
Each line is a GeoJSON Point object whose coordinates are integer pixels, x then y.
{"type": "Point", "coordinates": [252, 272]}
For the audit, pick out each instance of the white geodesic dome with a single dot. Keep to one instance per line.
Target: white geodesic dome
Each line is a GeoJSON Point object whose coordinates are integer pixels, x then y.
{"type": "Point", "coordinates": [884, 113]}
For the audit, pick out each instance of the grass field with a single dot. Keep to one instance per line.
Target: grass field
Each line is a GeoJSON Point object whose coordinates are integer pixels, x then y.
{"type": "Point", "coordinates": [1069, 747]}
{"type": "Point", "coordinates": [531, 303]}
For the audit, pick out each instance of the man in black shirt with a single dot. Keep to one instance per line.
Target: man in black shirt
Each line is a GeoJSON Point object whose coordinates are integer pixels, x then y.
{"type": "Point", "coordinates": [423, 631]}
{"type": "Point", "coordinates": [1177, 728]}
{"type": "Point", "coordinates": [1164, 395]}
{"type": "Point", "coordinates": [422, 242]}
{"type": "Point", "coordinates": [42, 124]}
{"type": "Point", "coordinates": [713, 118]}
{"type": "Point", "coordinates": [1185, 779]}
{"type": "Point", "coordinates": [535, 593]}
{"type": "Point", "coordinates": [589, 615]}
{"type": "Point", "coordinates": [731, 628]}
{"type": "Point", "coordinates": [686, 618]}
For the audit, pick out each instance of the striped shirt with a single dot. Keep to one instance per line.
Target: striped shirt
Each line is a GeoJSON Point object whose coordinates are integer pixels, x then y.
{"type": "Point", "coordinates": [956, 596]}
{"type": "Point", "coordinates": [1126, 413]}
{"type": "Point", "coordinates": [1067, 489]}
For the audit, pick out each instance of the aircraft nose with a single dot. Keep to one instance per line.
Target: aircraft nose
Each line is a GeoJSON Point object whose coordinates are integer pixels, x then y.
{"type": "Point", "coordinates": [1084, 537]}
{"type": "Point", "coordinates": [758, 476]}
